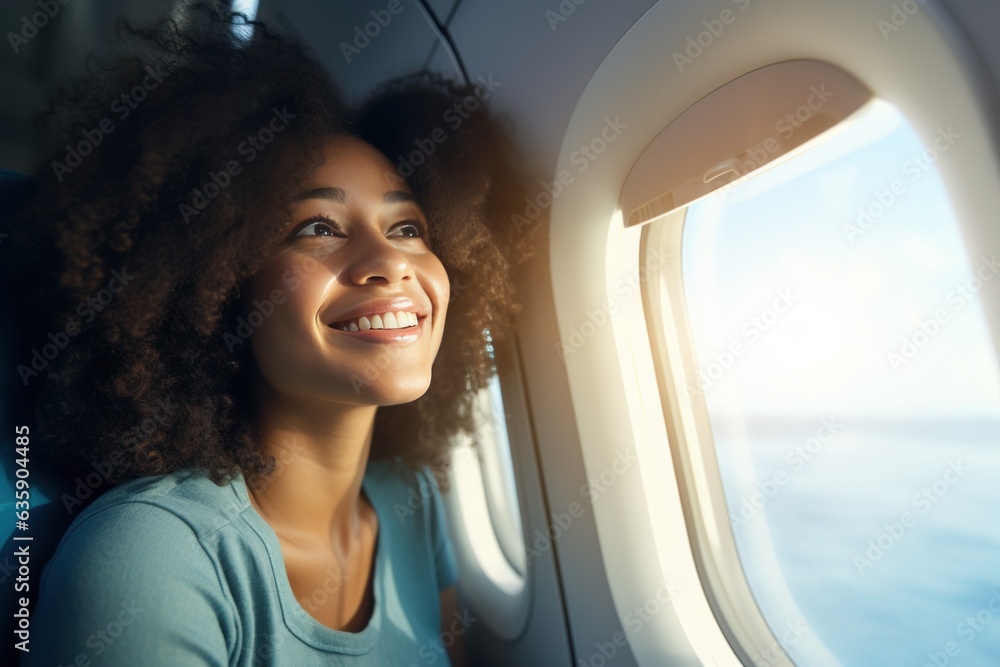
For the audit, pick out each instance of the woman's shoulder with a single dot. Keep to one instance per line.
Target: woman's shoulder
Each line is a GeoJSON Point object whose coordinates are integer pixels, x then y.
{"type": "Point", "coordinates": [138, 554]}
{"type": "Point", "coordinates": [186, 493]}
{"type": "Point", "coordinates": [162, 509]}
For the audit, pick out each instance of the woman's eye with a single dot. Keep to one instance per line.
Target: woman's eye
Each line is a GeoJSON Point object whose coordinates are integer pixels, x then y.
{"type": "Point", "coordinates": [410, 230]}
{"type": "Point", "coordinates": [318, 228]}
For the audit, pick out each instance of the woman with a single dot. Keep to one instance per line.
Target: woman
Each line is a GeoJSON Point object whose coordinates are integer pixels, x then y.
{"type": "Point", "coordinates": [256, 376]}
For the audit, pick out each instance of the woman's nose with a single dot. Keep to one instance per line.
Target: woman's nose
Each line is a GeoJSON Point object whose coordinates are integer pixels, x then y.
{"type": "Point", "coordinates": [377, 260]}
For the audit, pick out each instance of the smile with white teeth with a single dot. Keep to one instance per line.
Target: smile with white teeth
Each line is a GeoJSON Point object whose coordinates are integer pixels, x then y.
{"type": "Point", "coordinates": [402, 319]}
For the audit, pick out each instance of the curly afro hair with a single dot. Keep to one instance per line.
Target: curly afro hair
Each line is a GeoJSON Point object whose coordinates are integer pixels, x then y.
{"type": "Point", "coordinates": [181, 155]}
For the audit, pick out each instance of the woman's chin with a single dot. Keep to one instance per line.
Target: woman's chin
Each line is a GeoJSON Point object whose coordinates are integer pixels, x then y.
{"type": "Point", "coordinates": [396, 393]}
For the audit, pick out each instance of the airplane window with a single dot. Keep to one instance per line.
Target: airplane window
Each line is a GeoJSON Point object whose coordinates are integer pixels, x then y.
{"type": "Point", "coordinates": [853, 396]}
{"type": "Point", "coordinates": [498, 476]}
{"type": "Point", "coordinates": [486, 467]}
{"type": "Point", "coordinates": [498, 469]}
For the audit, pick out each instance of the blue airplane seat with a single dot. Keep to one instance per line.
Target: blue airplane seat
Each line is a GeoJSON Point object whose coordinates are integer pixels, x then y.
{"type": "Point", "coordinates": [48, 516]}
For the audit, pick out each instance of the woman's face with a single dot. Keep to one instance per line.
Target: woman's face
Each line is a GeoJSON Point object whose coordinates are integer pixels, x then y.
{"type": "Point", "coordinates": [352, 303]}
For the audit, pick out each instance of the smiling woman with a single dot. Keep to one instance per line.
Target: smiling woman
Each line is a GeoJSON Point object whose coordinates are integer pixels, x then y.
{"type": "Point", "coordinates": [375, 263]}
{"type": "Point", "coordinates": [293, 324]}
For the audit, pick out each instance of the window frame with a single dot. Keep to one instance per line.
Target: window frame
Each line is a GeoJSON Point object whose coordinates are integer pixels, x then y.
{"type": "Point", "coordinates": [496, 463]}
{"type": "Point", "coordinates": [637, 82]}
{"type": "Point", "coordinates": [490, 581]}
{"type": "Point", "coordinates": [693, 451]}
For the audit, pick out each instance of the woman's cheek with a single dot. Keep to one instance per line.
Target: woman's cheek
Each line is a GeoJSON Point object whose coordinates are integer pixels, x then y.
{"type": "Point", "coordinates": [441, 285]}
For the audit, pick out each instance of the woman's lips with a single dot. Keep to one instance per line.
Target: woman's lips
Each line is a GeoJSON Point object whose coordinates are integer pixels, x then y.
{"type": "Point", "coordinates": [399, 336]}
{"type": "Point", "coordinates": [395, 308]}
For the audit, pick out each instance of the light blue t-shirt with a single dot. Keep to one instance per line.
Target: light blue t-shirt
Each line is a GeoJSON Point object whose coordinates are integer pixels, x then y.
{"type": "Point", "coordinates": [174, 571]}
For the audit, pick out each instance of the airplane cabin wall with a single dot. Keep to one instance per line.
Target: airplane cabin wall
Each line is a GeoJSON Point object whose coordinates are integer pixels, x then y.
{"type": "Point", "coordinates": [548, 68]}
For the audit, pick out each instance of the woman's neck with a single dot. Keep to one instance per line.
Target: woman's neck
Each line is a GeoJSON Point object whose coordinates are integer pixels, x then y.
{"type": "Point", "coordinates": [313, 497]}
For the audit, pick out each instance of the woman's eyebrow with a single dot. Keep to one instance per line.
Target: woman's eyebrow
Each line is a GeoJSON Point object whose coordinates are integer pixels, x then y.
{"type": "Point", "coordinates": [333, 194]}
{"type": "Point", "coordinates": [398, 196]}
{"type": "Point", "coordinates": [340, 196]}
